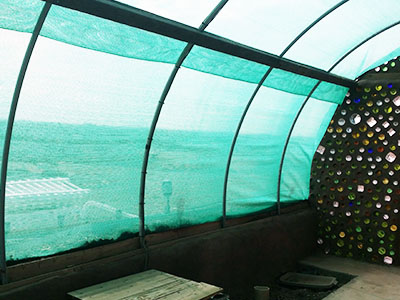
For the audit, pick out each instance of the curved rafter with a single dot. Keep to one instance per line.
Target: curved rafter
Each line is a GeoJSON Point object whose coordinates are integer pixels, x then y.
{"type": "Point", "coordinates": [133, 17]}
{"type": "Point", "coordinates": [7, 138]}
{"type": "Point", "coordinates": [251, 101]}
{"type": "Point", "coordinates": [313, 90]}
{"type": "Point", "coordinates": [157, 113]}
{"type": "Point", "coordinates": [182, 57]}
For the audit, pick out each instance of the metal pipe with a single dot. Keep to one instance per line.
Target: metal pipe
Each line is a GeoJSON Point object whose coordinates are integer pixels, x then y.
{"type": "Point", "coordinates": [251, 101]}
{"type": "Point", "coordinates": [134, 17]}
{"type": "Point", "coordinates": [7, 138]}
{"type": "Point", "coordinates": [363, 42]}
{"type": "Point", "coordinates": [156, 116]}
{"type": "Point", "coordinates": [228, 164]}
{"type": "Point", "coordinates": [286, 144]}
{"type": "Point", "coordinates": [310, 94]}
{"type": "Point", "coordinates": [312, 25]}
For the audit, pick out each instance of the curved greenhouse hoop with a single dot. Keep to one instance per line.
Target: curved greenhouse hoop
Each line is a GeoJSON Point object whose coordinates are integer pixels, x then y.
{"type": "Point", "coordinates": [251, 101]}
{"type": "Point", "coordinates": [7, 138]}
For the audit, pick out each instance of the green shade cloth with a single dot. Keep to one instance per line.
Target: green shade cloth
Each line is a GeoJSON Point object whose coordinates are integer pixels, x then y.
{"type": "Point", "coordinates": [91, 91]}
{"type": "Point", "coordinates": [19, 15]}
{"type": "Point", "coordinates": [253, 180]}
{"type": "Point", "coordinates": [309, 130]}
{"type": "Point", "coordinates": [90, 32]}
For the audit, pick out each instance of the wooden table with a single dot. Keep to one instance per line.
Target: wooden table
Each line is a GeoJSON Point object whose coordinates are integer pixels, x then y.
{"type": "Point", "coordinates": [149, 285]}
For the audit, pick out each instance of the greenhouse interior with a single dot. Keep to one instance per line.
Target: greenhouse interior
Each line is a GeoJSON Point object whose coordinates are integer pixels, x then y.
{"type": "Point", "coordinates": [180, 149]}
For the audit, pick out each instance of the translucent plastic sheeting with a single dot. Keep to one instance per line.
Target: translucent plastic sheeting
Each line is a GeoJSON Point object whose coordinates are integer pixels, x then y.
{"type": "Point", "coordinates": [341, 30]}
{"type": "Point", "coordinates": [20, 15]}
{"type": "Point", "coordinates": [83, 119]}
{"type": "Point", "coordinates": [308, 132]}
{"type": "Point", "coordinates": [224, 65]}
{"type": "Point", "coordinates": [12, 50]}
{"type": "Point", "coordinates": [190, 149]}
{"type": "Point", "coordinates": [267, 25]}
{"type": "Point", "coordinates": [375, 52]}
{"type": "Point", "coordinates": [77, 148]}
{"type": "Point", "coordinates": [253, 176]}
{"type": "Point", "coordinates": [102, 35]}
{"type": "Point", "coordinates": [188, 12]}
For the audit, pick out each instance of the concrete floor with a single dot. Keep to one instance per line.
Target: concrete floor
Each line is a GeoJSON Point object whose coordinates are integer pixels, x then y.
{"type": "Point", "coordinates": [373, 282]}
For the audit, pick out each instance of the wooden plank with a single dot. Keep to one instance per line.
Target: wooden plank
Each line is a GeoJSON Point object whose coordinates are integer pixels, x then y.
{"type": "Point", "coordinates": [138, 290]}
{"type": "Point", "coordinates": [49, 265]}
{"type": "Point", "coordinates": [35, 270]}
{"type": "Point", "coordinates": [188, 291]}
{"type": "Point", "coordinates": [166, 236]}
{"type": "Point", "coordinates": [154, 289]}
{"type": "Point", "coordinates": [148, 285]}
{"type": "Point", "coordinates": [134, 285]}
{"type": "Point", "coordinates": [62, 261]}
{"type": "Point", "coordinates": [88, 292]}
{"type": "Point", "coordinates": [30, 282]}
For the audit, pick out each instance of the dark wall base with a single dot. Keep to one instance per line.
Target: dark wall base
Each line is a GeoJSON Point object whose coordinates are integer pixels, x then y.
{"type": "Point", "coordinates": [235, 258]}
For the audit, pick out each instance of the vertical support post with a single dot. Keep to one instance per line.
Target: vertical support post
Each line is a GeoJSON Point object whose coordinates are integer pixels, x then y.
{"type": "Point", "coordinates": [287, 143]}
{"type": "Point", "coordinates": [7, 139]}
{"type": "Point", "coordinates": [223, 223]}
{"type": "Point", "coordinates": [157, 113]}
{"type": "Point", "coordinates": [228, 165]}
{"type": "Point", "coordinates": [310, 94]}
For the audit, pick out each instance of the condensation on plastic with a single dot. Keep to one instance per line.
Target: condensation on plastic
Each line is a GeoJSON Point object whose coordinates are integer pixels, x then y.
{"type": "Point", "coordinates": [341, 30]}
{"type": "Point", "coordinates": [308, 132]}
{"type": "Point", "coordinates": [253, 177]}
{"type": "Point", "coordinates": [190, 149]}
{"type": "Point", "coordinates": [77, 148]}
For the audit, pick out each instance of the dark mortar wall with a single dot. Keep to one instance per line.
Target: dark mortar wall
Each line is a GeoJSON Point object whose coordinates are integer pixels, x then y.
{"type": "Point", "coordinates": [234, 258]}
{"type": "Point", "coordinates": [355, 174]}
